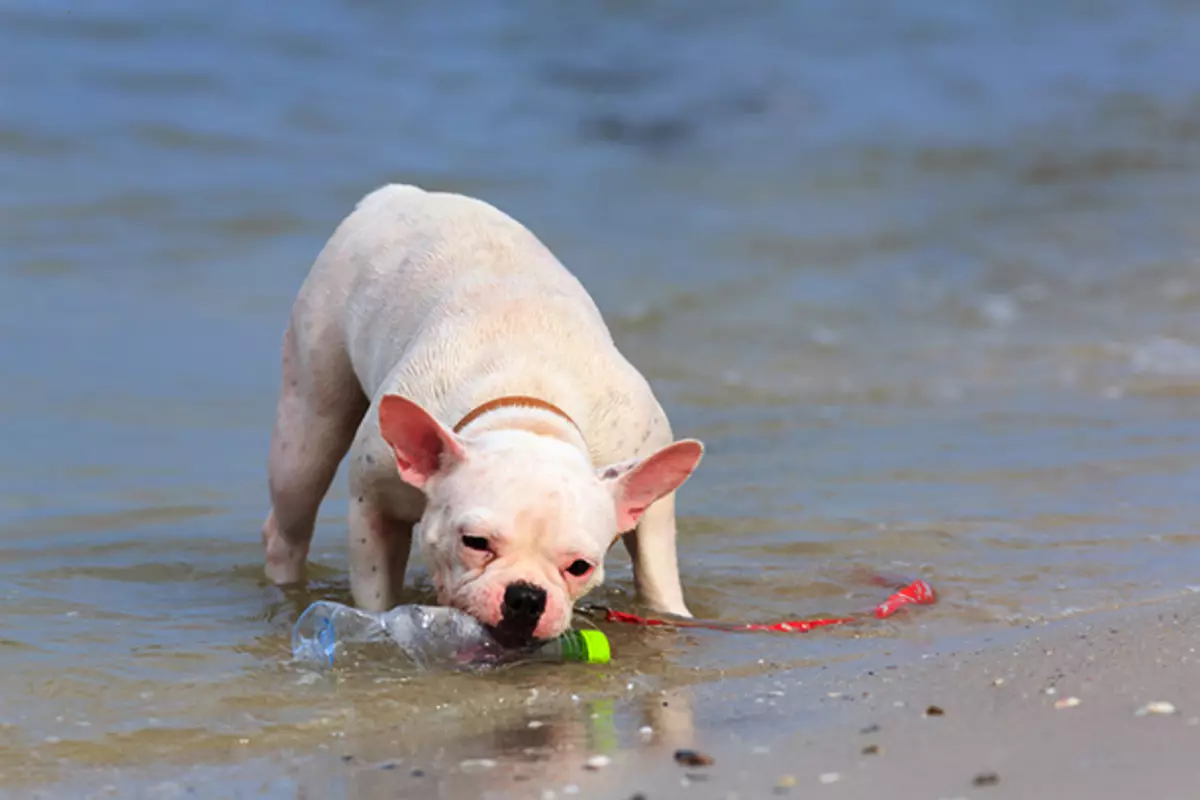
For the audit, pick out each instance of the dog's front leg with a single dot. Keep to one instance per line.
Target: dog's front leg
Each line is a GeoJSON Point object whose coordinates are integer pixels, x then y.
{"type": "Point", "coordinates": [379, 550]}
{"type": "Point", "coordinates": [652, 547]}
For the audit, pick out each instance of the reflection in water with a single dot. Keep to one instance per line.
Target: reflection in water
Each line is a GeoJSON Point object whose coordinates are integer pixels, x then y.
{"type": "Point", "coordinates": [923, 278]}
{"type": "Point", "coordinates": [537, 746]}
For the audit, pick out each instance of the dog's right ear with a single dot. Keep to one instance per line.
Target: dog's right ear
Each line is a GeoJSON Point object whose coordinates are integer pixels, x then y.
{"type": "Point", "coordinates": [423, 447]}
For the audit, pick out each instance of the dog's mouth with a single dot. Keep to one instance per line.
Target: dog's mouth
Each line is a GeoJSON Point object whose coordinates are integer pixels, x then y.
{"type": "Point", "coordinates": [513, 637]}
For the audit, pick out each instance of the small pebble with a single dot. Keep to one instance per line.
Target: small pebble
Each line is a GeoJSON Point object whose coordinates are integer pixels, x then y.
{"type": "Point", "coordinates": [1156, 707]}
{"type": "Point", "coordinates": [476, 764]}
{"type": "Point", "coordinates": [417, 773]}
{"type": "Point", "coordinates": [998, 682]}
{"type": "Point", "coordinates": [1052, 690]}
{"type": "Point", "coordinates": [986, 779]}
{"type": "Point", "coordinates": [934, 711]}
{"type": "Point", "coordinates": [646, 732]}
{"type": "Point", "coordinates": [693, 758]}
{"type": "Point", "coordinates": [829, 777]}
{"type": "Point", "coordinates": [570, 788]}
{"type": "Point", "coordinates": [785, 782]}
{"type": "Point", "coordinates": [872, 728]}
{"type": "Point", "coordinates": [871, 750]}
{"type": "Point", "coordinates": [535, 723]}
{"type": "Point", "coordinates": [1067, 702]}
{"type": "Point", "coordinates": [597, 762]}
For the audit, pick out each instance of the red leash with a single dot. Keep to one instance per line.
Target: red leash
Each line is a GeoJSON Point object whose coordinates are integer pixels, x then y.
{"type": "Point", "coordinates": [917, 592]}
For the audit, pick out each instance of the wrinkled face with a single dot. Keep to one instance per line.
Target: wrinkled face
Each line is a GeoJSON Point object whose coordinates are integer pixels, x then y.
{"type": "Point", "coordinates": [516, 524]}
{"type": "Point", "coordinates": [517, 532]}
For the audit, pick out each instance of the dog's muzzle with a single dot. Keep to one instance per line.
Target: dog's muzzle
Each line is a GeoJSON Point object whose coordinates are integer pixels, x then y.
{"type": "Point", "coordinates": [524, 604]}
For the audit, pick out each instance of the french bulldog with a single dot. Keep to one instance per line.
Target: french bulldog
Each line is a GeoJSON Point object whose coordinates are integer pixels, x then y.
{"type": "Point", "coordinates": [486, 411]}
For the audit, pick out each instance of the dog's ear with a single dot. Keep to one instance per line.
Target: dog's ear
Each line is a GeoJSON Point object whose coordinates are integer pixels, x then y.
{"type": "Point", "coordinates": [423, 447]}
{"type": "Point", "coordinates": [636, 484]}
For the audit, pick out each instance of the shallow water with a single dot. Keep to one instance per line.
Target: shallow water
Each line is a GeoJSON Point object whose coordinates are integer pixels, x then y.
{"type": "Point", "coordinates": [924, 279]}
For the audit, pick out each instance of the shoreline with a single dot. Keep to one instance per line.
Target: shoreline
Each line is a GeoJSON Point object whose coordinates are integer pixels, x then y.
{"type": "Point", "coordinates": [860, 724]}
{"type": "Point", "coordinates": [1056, 709]}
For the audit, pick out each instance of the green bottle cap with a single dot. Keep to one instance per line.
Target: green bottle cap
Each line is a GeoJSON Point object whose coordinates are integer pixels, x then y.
{"type": "Point", "coordinates": [586, 646]}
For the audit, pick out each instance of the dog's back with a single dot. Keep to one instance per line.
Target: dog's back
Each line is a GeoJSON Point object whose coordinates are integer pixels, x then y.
{"type": "Point", "coordinates": [406, 263]}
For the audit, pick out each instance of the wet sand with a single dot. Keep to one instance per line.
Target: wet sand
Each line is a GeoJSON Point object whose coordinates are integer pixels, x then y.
{"type": "Point", "coordinates": [1045, 710]}
{"type": "Point", "coordinates": [1008, 729]}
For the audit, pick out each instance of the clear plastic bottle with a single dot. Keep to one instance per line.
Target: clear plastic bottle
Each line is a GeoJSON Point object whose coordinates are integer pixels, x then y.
{"type": "Point", "coordinates": [426, 637]}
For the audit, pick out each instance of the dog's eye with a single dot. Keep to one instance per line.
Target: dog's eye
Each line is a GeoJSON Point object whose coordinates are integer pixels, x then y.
{"type": "Point", "coordinates": [579, 568]}
{"type": "Point", "coordinates": [479, 543]}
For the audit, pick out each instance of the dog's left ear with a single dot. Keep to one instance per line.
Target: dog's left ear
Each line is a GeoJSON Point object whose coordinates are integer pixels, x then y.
{"type": "Point", "coordinates": [423, 446]}
{"type": "Point", "coordinates": [637, 484]}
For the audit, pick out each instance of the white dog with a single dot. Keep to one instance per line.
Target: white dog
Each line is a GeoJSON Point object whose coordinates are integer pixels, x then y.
{"type": "Point", "coordinates": [476, 386]}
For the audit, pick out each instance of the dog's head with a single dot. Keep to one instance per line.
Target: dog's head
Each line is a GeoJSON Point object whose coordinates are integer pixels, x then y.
{"type": "Point", "coordinates": [516, 524]}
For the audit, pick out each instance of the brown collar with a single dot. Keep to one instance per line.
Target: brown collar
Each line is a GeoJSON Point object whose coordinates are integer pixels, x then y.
{"type": "Point", "coordinates": [513, 401]}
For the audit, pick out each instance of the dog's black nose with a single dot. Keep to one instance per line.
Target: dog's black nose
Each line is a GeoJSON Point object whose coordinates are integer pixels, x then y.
{"type": "Point", "coordinates": [523, 604]}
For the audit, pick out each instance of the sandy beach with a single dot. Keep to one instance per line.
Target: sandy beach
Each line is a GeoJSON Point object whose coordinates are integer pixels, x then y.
{"type": "Point", "coordinates": [1104, 705]}
{"type": "Point", "coordinates": [1062, 710]}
